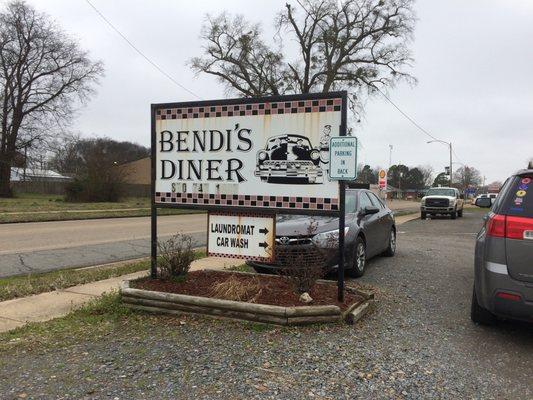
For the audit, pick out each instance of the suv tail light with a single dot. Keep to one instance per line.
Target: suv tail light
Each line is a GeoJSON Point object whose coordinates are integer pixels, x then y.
{"type": "Point", "coordinates": [496, 225]}
{"type": "Point", "coordinates": [519, 227]}
{"type": "Point", "coordinates": [509, 227]}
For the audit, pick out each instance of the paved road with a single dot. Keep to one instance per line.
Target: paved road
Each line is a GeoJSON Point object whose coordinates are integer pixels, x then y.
{"type": "Point", "coordinates": [420, 344]}
{"type": "Point", "coordinates": [44, 246]}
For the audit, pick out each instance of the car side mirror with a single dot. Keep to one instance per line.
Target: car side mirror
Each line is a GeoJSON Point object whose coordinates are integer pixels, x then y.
{"type": "Point", "coordinates": [483, 202]}
{"type": "Point", "coordinates": [370, 210]}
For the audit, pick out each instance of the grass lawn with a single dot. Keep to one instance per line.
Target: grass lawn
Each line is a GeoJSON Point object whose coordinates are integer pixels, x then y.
{"type": "Point", "coordinates": [26, 285]}
{"type": "Point", "coordinates": [38, 207]}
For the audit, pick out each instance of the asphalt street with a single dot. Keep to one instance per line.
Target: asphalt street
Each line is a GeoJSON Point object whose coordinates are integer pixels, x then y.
{"type": "Point", "coordinates": [418, 344]}
{"type": "Point", "coordinates": [44, 246]}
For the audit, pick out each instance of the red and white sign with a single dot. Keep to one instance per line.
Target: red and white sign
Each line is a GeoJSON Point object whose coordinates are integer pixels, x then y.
{"type": "Point", "coordinates": [382, 179]}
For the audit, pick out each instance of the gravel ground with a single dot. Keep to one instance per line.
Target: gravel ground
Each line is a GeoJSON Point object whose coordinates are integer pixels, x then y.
{"type": "Point", "coordinates": [419, 344]}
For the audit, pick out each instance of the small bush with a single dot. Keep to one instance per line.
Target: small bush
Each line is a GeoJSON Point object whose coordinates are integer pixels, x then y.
{"type": "Point", "coordinates": [302, 266]}
{"type": "Point", "coordinates": [175, 256]}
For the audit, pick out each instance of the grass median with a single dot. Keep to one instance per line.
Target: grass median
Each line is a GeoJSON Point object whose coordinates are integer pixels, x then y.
{"type": "Point", "coordinates": [26, 285]}
{"type": "Point", "coordinates": [29, 207]}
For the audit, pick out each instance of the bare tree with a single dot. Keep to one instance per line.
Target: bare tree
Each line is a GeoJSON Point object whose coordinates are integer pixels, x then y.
{"type": "Point", "coordinates": [43, 73]}
{"type": "Point", "coordinates": [359, 45]}
{"type": "Point", "coordinates": [427, 173]}
{"type": "Point", "coordinates": [467, 176]}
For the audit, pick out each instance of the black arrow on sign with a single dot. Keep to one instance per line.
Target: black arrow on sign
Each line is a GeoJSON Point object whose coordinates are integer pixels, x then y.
{"type": "Point", "coordinates": [264, 230]}
{"type": "Point", "coordinates": [264, 244]}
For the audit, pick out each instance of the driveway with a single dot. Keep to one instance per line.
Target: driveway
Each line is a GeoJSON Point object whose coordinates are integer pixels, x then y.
{"type": "Point", "coordinates": [419, 344]}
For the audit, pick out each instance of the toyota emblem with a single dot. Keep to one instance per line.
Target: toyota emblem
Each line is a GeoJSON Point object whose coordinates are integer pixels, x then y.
{"type": "Point", "coordinates": [284, 240]}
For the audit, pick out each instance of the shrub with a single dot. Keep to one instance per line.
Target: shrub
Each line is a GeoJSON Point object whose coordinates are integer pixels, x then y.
{"type": "Point", "coordinates": [302, 266]}
{"type": "Point", "coordinates": [175, 256]}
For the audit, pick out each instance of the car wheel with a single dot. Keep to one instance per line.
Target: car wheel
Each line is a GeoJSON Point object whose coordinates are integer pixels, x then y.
{"type": "Point", "coordinates": [359, 259]}
{"type": "Point", "coordinates": [453, 215]}
{"type": "Point", "coordinates": [480, 315]}
{"type": "Point", "coordinates": [460, 213]}
{"type": "Point", "coordinates": [422, 215]}
{"type": "Point", "coordinates": [391, 249]}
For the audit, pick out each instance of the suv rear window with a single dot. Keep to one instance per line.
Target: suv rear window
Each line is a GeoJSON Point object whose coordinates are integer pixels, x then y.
{"type": "Point", "coordinates": [519, 198]}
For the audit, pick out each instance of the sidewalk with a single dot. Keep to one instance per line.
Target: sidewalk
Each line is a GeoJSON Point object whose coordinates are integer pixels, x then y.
{"type": "Point", "coordinates": [45, 306]}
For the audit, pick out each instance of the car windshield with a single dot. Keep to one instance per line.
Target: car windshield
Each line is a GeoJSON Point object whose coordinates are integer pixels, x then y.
{"type": "Point", "coordinates": [440, 192]}
{"type": "Point", "coordinates": [275, 143]}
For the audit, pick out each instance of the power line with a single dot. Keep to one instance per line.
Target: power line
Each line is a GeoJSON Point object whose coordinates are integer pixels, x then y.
{"type": "Point", "coordinates": [405, 114]}
{"type": "Point", "coordinates": [140, 52]}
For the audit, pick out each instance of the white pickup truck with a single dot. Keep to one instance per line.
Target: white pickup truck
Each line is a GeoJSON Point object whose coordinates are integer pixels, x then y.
{"type": "Point", "coordinates": [442, 201]}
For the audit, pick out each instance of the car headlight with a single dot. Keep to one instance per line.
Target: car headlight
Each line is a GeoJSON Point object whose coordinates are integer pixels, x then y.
{"type": "Point", "coordinates": [329, 239]}
{"type": "Point", "coordinates": [315, 155]}
{"type": "Point", "coordinates": [452, 202]}
{"type": "Point", "coordinates": [262, 155]}
{"type": "Point", "coordinates": [423, 202]}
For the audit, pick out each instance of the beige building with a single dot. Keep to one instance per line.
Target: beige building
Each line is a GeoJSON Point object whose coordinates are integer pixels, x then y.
{"type": "Point", "coordinates": [137, 172]}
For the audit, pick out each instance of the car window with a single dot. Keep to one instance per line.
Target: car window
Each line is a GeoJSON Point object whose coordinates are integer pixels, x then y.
{"type": "Point", "coordinates": [350, 202]}
{"type": "Point", "coordinates": [375, 200]}
{"type": "Point", "coordinates": [498, 200]}
{"type": "Point", "coordinates": [519, 198]}
{"type": "Point", "coordinates": [364, 201]}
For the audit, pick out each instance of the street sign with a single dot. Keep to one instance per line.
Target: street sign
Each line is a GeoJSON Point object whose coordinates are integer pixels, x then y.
{"type": "Point", "coordinates": [382, 179]}
{"type": "Point", "coordinates": [246, 236]}
{"type": "Point", "coordinates": [343, 158]}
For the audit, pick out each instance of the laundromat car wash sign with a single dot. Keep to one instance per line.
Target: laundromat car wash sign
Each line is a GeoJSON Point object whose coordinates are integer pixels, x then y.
{"type": "Point", "coordinates": [263, 155]}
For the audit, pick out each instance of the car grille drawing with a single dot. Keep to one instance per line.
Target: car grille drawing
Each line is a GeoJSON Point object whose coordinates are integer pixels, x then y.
{"type": "Point", "coordinates": [290, 159]}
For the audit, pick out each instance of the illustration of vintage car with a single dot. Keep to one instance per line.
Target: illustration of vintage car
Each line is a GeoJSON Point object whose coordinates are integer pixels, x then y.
{"type": "Point", "coordinates": [289, 159]}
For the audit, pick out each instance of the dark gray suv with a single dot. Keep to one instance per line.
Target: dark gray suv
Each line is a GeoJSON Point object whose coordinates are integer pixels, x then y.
{"type": "Point", "coordinates": [503, 285]}
{"type": "Point", "coordinates": [370, 231]}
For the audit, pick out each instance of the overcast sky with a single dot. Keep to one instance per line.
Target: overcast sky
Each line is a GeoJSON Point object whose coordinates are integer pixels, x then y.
{"type": "Point", "coordinates": [473, 61]}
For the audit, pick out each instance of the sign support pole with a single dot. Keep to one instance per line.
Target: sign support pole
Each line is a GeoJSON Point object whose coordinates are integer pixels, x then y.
{"type": "Point", "coordinates": [340, 269]}
{"type": "Point", "coordinates": [342, 198]}
{"type": "Point", "coordinates": [153, 206]}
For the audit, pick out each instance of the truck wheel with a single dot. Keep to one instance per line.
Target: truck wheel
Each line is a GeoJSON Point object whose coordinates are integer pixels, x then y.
{"type": "Point", "coordinates": [480, 315]}
{"type": "Point", "coordinates": [460, 213]}
{"type": "Point", "coordinates": [422, 215]}
{"type": "Point", "coordinates": [359, 259]}
{"type": "Point", "coordinates": [453, 215]}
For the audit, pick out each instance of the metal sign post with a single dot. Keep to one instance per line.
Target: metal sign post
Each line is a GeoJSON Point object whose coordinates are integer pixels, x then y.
{"type": "Point", "coordinates": [342, 213]}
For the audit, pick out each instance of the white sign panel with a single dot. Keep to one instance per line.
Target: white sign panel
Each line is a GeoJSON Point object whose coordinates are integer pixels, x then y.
{"type": "Point", "coordinates": [270, 152]}
{"type": "Point", "coordinates": [343, 158]}
{"type": "Point", "coordinates": [241, 236]}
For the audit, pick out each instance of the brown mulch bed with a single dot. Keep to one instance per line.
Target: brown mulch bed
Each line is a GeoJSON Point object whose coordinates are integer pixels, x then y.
{"type": "Point", "coordinates": [271, 290]}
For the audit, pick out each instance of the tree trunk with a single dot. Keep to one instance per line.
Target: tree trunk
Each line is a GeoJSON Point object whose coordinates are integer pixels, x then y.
{"type": "Point", "coordinates": [5, 179]}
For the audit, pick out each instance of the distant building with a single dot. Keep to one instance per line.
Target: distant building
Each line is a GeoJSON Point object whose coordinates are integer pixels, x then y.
{"type": "Point", "coordinates": [137, 172]}
{"type": "Point", "coordinates": [37, 175]}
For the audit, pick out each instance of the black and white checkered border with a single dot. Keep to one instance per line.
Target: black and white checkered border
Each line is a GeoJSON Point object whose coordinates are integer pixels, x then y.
{"type": "Point", "coordinates": [242, 257]}
{"type": "Point", "coordinates": [267, 108]}
{"type": "Point", "coordinates": [240, 200]}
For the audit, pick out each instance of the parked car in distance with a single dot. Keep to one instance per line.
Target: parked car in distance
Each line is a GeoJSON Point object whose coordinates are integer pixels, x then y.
{"type": "Point", "coordinates": [503, 284]}
{"type": "Point", "coordinates": [370, 231]}
{"type": "Point", "coordinates": [491, 196]}
{"type": "Point", "coordinates": [442, 201]}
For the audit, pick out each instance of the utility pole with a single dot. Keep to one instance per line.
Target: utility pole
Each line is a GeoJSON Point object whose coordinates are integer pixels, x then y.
{"type": "Point", "coordinates": [451, 151]}
{"type": "Point", "coordinates": [451, 171]}
{"type": "Point", "coordinates": [390, 155]}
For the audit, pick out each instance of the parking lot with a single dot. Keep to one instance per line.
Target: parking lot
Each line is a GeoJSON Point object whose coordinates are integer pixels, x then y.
{"type": "Point", "coordinates": [419, 343]}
